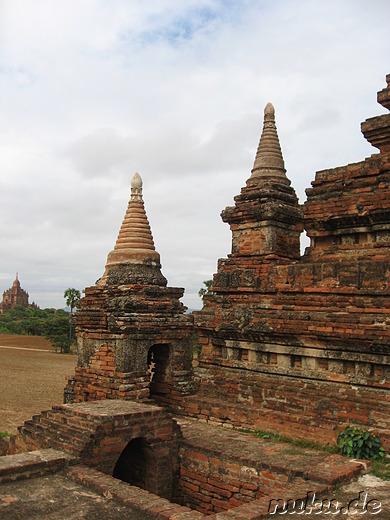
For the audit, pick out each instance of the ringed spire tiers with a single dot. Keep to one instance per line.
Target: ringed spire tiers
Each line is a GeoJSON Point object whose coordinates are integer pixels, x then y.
{"type": "Point", "coordinates": [269, 163]}
{"type": "Point", "coordinates": [266, 220]}
{"type": "Point", "coordinates": [134, 245]}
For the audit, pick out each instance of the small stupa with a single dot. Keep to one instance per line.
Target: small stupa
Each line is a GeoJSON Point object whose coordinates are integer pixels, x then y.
{"type": "Point", "coordinates": [134, 255]}
{"type": "Point", "coordinates": [266, 220]}
{"type": "Point", "coordinates": [133, 338]}
{"type": "Point", "coordinates": [269, 163]}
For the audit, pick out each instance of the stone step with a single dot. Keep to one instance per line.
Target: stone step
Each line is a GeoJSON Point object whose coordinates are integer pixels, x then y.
{"type": "Point", "coordinates": [66, 425]}
{"type": "Point", "coordinates": [263, 454]}
{"type": "Point", "coordinates": [31, 429]}
{"type": "Point", "coordinates": [64, 415]}
{"type": "Point", "coordinates": [32, 463]}
{"type": "Point", "coordinates": [48, 432]}
{"type": "Point", "coordinates": [63, 436]}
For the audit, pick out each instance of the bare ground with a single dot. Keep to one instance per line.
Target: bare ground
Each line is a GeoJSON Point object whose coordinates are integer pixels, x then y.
{"type": "Point", "coordinates": [368, 495]}
{"type": "Point", "coordinates": [31, 380]}
{"type": "Point", "coordinates": [12, 340]}
{"type": "Point", "coordinates": [56, 497]}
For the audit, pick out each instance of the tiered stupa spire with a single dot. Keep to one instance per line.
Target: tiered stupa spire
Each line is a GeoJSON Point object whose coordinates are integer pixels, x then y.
{"type": "Point", "coordinates": [135, 238]}
{"type": "Point", "coordinates": [16, 281]}
{"type": "Point", "coordinates": [269, 163]}
{"type": "Point", "coordinates": [134, 245]}
{"type": "Point", "coordinates": [266, 220]}
{"type": "Point", "coordinates": [135, 241]}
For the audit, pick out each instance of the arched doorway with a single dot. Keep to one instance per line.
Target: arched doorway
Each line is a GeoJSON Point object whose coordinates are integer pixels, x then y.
{"type": "Point", "coordinates": [159, 369]}
{"type": "Point", "coordinates": [136, 465]}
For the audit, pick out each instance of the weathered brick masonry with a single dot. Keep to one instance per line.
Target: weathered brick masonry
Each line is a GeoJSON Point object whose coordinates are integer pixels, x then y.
{"type": "Point", "coordinates": [134, 340]}
{"type": "Point", "coordinates": [202, 467]}
{"type": "Point", "coordinates": [131, 441]}
{"type": "Point", "coordinates": [221, 469]}
{"type": "Point", "coordinates": [301, 345]}
{"type": "Point", "coordinates": [296, 345]}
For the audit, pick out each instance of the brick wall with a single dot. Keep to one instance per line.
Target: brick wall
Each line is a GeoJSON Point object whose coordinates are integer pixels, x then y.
{"type": "Point", "coordinates": [302, 345]}
{"type": "Point", "coordinates": [117, 326]}
{"type": "Point", "coordinates": [211, 485]}
{"type": "Point", "coordinates": [296, 407]}
{"type": "Point", "coordinates": [100, 380]}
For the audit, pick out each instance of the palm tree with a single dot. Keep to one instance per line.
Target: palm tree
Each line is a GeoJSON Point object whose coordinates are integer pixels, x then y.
{"type": "Point", "coordinates": [72, 298]}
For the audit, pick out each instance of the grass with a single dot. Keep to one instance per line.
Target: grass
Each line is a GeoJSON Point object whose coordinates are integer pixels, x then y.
{"type": "Point", "coordinates": [298, 443]}
{"type": "Point", "coordinates": [4, 434]}
{"type": "Point", "coordinates": [381, 469]}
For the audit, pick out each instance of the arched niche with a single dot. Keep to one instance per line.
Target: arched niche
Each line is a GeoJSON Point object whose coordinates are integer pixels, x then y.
{"type": "Point", "coordinates": [159, 370]}
{"type": "Point", "coordinates": [136, 465]}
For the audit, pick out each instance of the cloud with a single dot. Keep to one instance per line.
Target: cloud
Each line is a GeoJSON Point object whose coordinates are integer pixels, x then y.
{"type": "Point", "coordinates": [100, 154]}
{"type": "Point", "coordinates": [107, 152]}
{"type": "Point", "coordinates": [91, 93]}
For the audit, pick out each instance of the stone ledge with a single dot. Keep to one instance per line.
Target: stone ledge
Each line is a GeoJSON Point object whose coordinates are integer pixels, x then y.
{"type": "Point", "coordinates": [140, 499]}
{"type": "Point", "coordinates": [232, 445]}
{"type": "Point", "coordinates": [32, 463]}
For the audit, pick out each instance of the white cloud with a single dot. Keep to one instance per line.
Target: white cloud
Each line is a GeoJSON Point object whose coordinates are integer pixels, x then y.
{"type": "Point", "coordinates": [92, 91]}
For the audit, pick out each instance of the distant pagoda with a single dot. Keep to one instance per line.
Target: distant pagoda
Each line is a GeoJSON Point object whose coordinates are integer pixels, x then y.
{"type": "Point", "coordinates": [15, 296]}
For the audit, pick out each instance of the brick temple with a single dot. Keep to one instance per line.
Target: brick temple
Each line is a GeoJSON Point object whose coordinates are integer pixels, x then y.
{"type": "Point", "coordinates": [298, 345]}
{"type": "Point", "coordinates": [13, 296]}
{"type": "Point", "coordinates": [293, 344]}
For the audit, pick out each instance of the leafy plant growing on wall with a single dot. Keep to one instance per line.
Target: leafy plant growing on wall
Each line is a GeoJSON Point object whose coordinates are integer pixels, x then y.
{"type": "Point", "coordinates": [360, 444]}
{"type": "Point", "coordinates": [206, 290]}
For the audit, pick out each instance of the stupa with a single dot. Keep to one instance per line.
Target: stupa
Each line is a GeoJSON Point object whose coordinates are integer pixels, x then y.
{"type": "Point", "coordinates": [134, 340]}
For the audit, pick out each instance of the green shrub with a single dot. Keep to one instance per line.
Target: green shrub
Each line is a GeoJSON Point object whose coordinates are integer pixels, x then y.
{"type": "Point", "coordinates": [4, 434]}
{"type": "Point", "coordinates": [360, 444]}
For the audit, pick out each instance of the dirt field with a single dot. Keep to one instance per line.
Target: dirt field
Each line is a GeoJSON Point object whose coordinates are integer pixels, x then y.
{"type": "Point", "coordinates": [38, 342]}
{"type": "Point", "coordinates": [31, 380]}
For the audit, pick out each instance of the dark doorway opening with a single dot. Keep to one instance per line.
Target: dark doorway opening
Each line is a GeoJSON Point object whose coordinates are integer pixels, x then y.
{"type": "Point", "coordinates": [159, 371]}
{"type": "Point", "coordinates": [136, 465]}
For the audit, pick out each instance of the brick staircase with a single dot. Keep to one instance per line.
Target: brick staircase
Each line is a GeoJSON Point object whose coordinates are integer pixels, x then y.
{"type": "Point", "coordinates": [58, 428]}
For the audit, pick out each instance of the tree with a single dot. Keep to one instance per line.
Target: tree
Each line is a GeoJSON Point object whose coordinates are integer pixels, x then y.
{"type": "Point", "coordinates": [51, 323]}
{"type": "Point", "coordinates": [57, 331]}
{"type": "Point", "coordinates": [72, 298]}
{"type": "Point", "coordinates": [206, 290]}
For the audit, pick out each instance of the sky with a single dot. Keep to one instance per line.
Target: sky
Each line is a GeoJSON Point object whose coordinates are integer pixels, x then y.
{"type": "Point", "coordinates": [92, 91]}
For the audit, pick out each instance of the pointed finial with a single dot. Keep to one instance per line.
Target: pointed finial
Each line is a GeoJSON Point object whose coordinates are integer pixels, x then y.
{"type": "Point", "coordinates": [269, 110]}
{"type": "Point", "coordinates": [136, 187]}
{"type": "Point", "coordinates": [16, 281]}
{"type": "Point", "coordinates": [269, 159]}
